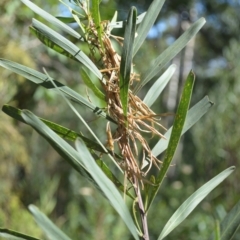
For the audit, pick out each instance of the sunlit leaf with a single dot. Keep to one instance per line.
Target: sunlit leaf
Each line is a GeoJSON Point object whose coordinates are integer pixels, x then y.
{"type": "Point", "coordinates": [112, 177]}
{"type": "Point", "coordinates": [67, 152]}
{"type": "Point", "coordinates": [63, 132]}
{"type": "Point", "coordinates": [44, 81]}
{"type": "Point", "coordinates": [169, 53]}
{"type": "Point", "coordinates": [193, 115]}
{"type": "Point", "coordinates": [51, 19]}
{"type": "Point", "coordinates": [68, 46]}
{"type": "Point", "coordinates": [190, 204]}
{"type": "Point", "coordinates": [175, 135]}
{"type": "Point", "coordinates": [46, 41]}
{"type": "Point", "coordinates": [126, 58]}
{"type": "Point", "coordinates": [156, 89]}
{"type": "Point", "coordinates": [107, 187]}
{"type": "Point", "coordinates": [85, 124]}
{"type": "Point", "coordinates": [147, 23]}
{"type": "Point", "coordinates": [81, 163]}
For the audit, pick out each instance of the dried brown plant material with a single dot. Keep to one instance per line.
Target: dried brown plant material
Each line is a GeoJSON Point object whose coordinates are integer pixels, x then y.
{"type": "Point", "coordinates": [140, 118]}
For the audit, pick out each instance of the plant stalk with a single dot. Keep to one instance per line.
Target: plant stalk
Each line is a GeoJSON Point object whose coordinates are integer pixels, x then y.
{"type": "Point", "coordinates": [142, 211]}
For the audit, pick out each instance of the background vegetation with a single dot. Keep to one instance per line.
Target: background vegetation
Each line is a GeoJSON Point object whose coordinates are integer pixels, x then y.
{"type": "Point", "coordinates": [31, 172]}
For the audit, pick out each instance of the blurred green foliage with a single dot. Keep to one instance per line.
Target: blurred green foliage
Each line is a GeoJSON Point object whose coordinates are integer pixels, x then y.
{"type": "Point", "coordinates": [29, 176]}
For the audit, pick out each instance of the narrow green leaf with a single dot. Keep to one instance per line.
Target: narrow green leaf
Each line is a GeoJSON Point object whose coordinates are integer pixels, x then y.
{"type": "Point", "coordinates": [230, 223]}
{"type": "Point", "coordinates": [176, 134]}
{"type": "Point", "coordinates": [44, 81]}
{"type": "Point", "coordinates": [126, 58]}
{"type": "Point", "coordinates": [112, 177]}
{"type": "Point", "coordinates": [189, 205]}
{"type": "Point", "coordinates": [170, 53]}
{"type": "Point", "coordinates": [78, 21]}
{"type": "Point", "coordinates": [68, 46]}
{"type": "Point", "coordinates": [193, 115]}
{"type": "Point", "coordinates": [13, 235]}
{"type": "Point", "coordinates": [97, 20]}
{"type": "Point", "coordinates": [78, 162]}
{"type": "Point", "coordinates": [156, 89]}
{"type": "Point", "coordinates": [147, 23]}
{"type": "Point", "coordinates": [87, 80]}
{"type": "Point", "coordinates": [61, 131]}
{"type": "Point", "coordinates": [76, 18]}
{"type": "Point", "coordinates": [68, 134]}
{"type": "Point", "coordinates": [48, 227]}
{"type": "Point", "coordinates": [46, 41]}
{"type": "Point", "coordinates": [81, 15]}
{"type": "Point", "coordinates": [66, 19]}
{"type": "Point", "coordinates": [66, 151]}
{"type": "Point", "coordinates": [51, 19]}
{"type": "Point", "coordinates": [217, 230]}
{"type": "Point", "coordinates": [87, 126]}
{"type": "Point", "coordinates": [107, 187]}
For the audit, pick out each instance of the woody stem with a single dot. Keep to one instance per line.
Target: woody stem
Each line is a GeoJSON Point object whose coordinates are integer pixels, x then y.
{"type": "Point", "coordinates": [142, 211]}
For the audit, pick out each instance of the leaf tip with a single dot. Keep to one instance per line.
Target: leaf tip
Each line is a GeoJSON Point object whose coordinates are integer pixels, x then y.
{"type": "Point", "coordinates": [203, 19]}
{"type": "Point", "coordinates": [232, 168]}
{"type": "Point", "coordinates": [31, 207]}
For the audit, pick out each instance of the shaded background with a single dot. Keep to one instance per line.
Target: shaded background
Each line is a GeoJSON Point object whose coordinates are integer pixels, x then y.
{"type": "Point", "coordinates": [31, 172]}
